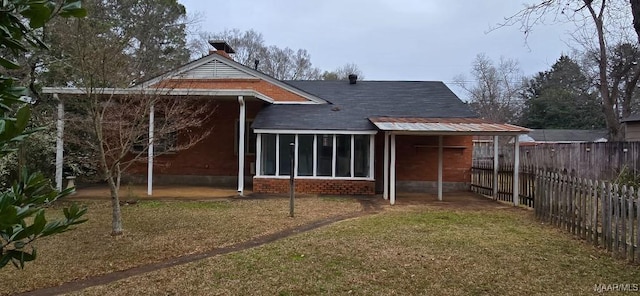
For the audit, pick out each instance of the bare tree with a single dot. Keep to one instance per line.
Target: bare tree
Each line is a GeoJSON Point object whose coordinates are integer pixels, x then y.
{"type": "Point", "coordinates": [281, 63]}
{"type": "Point", "coordinates": [599, 23]}
{"type": "Point", "coordinates": [343, 72]}
{"type": "Point", "coordinates": [494, 91]}
{"type": "Point", "coordinates": [119, 131]}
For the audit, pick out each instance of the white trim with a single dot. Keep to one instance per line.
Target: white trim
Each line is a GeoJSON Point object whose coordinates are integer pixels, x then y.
{"type": "Point", "coordinates": [353, 154]}
{"type": "Point", "coordinates": [392, 177]}
{"type": "Point", "coordinates": [172, 92]}
{"type": "Point", "coordinates": [258, 154]}
{"type": "Point", "coordinates": [440, 167]}
{"type": "Point", "coordinates": [315, 155]}
{"type": "Point", "coordinates": [59, 143]}
{"type": "Point", "coordinates": [150, 151]}
{"type": "Point", "coordinates": [241, 149]}
{"type": "Point", "coordinates": [317, 178]}
{"type": "Point", "coordinates": [385, 191]}
{"type": "Point", "coordinates": [372, 155]}
{"type": "Point", "coordinates": [516, 171]}
{"type": "Point", "coordinates": [334, 157]}
{"type": "Point", "coordinates": [295, 157]}
{"type": "Point", "coordinates": [313, 132]}
{"type": "Point", "coordinates": [277, 155]}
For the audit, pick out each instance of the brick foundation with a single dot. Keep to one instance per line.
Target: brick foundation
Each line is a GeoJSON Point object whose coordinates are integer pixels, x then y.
{"type": "Point", "coordinates": [315, 186]}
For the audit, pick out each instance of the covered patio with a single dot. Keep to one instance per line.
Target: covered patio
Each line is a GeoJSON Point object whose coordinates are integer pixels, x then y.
{"type": "Point", "coordinates": [441, 127]}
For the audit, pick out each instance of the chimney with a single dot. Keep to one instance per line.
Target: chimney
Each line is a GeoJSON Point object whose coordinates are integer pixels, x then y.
{"type": "Point", "coordinates": [222, 48]}
{"type": "Point", "coordinates": [353, 78]}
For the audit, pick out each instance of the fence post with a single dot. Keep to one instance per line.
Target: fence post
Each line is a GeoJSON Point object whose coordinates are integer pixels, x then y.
{"type": "Point", "coordinates": [630, 217]}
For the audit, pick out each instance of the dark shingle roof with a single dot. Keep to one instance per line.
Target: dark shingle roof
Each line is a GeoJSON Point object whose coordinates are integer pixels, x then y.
{"type": "Point", "coordinates": [632, 117]}
{"type": "Point", "coordinates": [352, 105]}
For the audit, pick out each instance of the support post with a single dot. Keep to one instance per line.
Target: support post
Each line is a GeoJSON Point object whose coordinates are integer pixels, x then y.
{"type": "Point", "coordinates": [440, 160]}
{"type": "Point", "coordinates": [59, 143]}
{"type": "Point", "coordinates": [385, 191]}
{"type": "Point", "coordinates": [258, 154]}
{"type": "Point", "coordinates": [150, 151]}
{"type": "Point", "coordinates": [516, 171]}
{"type": "Point", "coordinates": [241, 131]}
{"type": "Point", "coordinates": [292, 182]}
{"type": "Point", "coordinates": [495, 167]}
{"type": "Point", "coordinates": [392, 179]}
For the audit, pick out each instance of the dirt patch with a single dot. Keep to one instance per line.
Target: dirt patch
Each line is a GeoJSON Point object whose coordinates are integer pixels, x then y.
{"type": "Point", "coordinates": [139, 192]}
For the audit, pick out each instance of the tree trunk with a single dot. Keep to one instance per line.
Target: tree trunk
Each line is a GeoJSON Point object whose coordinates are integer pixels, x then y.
{"type": "Point", "coordinates": [635, 11]}
{"type": "Point", "coordinates": [608, 101]}
{"type": "Point", "coordinates": [116, 215]}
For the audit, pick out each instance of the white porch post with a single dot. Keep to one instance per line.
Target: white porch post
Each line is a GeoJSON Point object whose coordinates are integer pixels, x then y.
{"type": "Point", "coordinates": [241, 128]}
{"type": "Point", "coordinates": [392, 195]}
{"type": "Point", "coordinates": [440, 160]}
{"type": "Point", "coordinates": [495, 167]}
{"type": "Point", "coordinates": [372, 156]}
{"type": "Point", "coordinates": [258, 154]}
{"type": "Point", "coordinates": [150, 151]}
{"type": "Point", "coordinates": [516, 171]}
{"type": "Point", "coordinates": [385, 191]}
{"type": "Point", "coordinates": [59, 143]}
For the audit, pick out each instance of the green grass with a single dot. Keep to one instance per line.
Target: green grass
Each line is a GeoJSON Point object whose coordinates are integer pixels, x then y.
{"type": "Point", "coordinates": [417, 251]}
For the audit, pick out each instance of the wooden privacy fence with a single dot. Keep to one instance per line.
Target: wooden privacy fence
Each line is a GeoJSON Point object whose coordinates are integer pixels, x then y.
{"type": "Point", "coordinates": [604, 214]}
{"type": "Point", "coordinates": [597, 161]}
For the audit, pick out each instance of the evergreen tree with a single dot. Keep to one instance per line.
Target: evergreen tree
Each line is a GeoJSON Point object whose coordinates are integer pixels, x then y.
{"type": "Point", "coordinates": [562, 98]}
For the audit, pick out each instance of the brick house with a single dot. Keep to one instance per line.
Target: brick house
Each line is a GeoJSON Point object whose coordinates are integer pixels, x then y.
{"type": "Point", "coordinates": [350, 137]}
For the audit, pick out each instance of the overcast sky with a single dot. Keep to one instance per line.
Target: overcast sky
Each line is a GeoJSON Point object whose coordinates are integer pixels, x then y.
{"type": "Point", "coordinates": [391, 39]}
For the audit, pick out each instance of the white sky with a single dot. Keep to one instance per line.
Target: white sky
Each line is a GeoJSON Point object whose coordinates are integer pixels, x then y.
{"type": "Point", "coordinates": [391, 39]}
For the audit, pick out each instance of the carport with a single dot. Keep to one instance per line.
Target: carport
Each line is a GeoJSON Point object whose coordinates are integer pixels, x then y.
{"type": "Point", "coordinates": [440, 127]}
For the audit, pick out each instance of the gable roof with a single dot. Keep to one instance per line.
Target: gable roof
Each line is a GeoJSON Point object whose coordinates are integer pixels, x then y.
{"type": "Point", "coordinates": [565, 135]}
{"type": "Point", "coordinates": [353, 104]}
{"type": "Point", "coordinates": [219, 65]}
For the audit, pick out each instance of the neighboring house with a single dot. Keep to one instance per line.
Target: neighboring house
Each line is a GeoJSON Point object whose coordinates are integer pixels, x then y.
{"type": "Point", "coordinates": [352, 137]}
{"type": "Point", "coordinates": [631, 127]}
{"type": "Point", "coordinates": [538, 136]}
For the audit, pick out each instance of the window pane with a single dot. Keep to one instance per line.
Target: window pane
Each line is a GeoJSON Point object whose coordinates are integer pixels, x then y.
{"type": "Point", "coordinates": [268, 155]}
{"type": "Point", "coordinates": [361, 157]}
{"type": "Point", "coordinates": [343, 161]}
{"type": "Point", "coordinates": [285, 156]}
{"type": "Point", "coordinates": [325, 155]}
{"type": "Point", "coordinates": [305, 155]}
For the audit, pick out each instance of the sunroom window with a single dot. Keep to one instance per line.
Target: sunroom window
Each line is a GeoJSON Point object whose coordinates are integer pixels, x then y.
{"type": "Point", "coordinates": [317, 155]}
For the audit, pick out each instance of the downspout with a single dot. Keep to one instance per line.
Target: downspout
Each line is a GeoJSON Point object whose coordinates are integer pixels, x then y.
{"type": "Point", "coordinates": [59, 143]}
{"type": "Point", "coordinates": [241, 136]}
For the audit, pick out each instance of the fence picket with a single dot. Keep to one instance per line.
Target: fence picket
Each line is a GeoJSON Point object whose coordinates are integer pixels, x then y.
{"type": "Point", "coordinates": [629, 241]}
{"type": "Point", "coordinates": [623, 219]}
{"type": "Point", "coordinates": [603, 199]}
{"type": "Point", "coordinates": [602, 213]}
{"type": "Point", "coordinates": [616, 218]}
{"type": "Point", "coordinates": [637, 214]}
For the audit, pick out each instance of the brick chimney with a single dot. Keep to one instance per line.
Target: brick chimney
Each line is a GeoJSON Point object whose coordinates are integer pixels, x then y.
{"type": "Point", "coordinates": [222, 48]}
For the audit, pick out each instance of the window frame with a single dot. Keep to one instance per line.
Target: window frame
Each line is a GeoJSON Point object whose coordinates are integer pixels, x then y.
{"type": "Point", "coordinates": [316, 135]}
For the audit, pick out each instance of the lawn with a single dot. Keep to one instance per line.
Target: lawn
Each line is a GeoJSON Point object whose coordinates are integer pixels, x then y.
{"type": "Point", "coordinates": [404, 250]}
{"type": "Point", "coordinates": [157, 230]}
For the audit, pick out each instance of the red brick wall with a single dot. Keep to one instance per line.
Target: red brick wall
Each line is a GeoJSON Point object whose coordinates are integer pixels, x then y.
{"type": "Point", "coordinates": [275, 92]}
{"type": "Point", "coordinates": [214, 155]}
{"type": "Point", "coordinates": [417, 158]}
{"type": "Point", "coordinates": [315, 186]}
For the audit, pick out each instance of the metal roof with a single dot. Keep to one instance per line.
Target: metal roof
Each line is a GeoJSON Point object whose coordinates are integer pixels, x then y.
{"type": "Point", "coordinates": [469, 126]}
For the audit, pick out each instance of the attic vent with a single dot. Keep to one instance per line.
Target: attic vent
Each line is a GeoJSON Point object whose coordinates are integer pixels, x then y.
{"type": "Point", "coordinates": [353, 78]}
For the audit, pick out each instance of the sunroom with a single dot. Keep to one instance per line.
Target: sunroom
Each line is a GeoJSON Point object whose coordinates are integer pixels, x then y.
{"type": "Point", "coordinates": [324, 161]}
